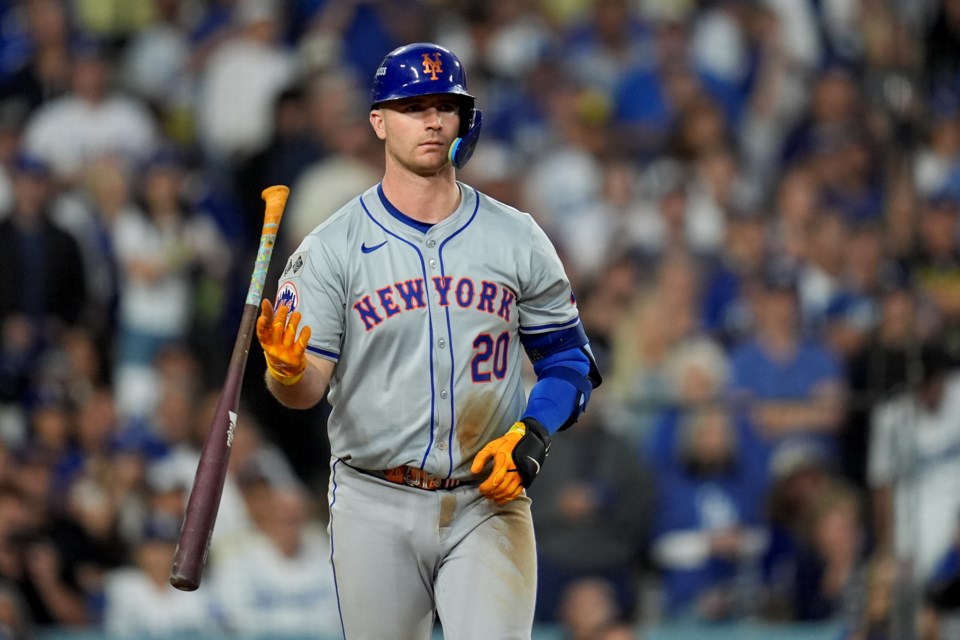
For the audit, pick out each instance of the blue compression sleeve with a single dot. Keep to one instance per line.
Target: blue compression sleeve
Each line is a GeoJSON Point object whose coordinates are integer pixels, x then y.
{"type": "Point", "coordinates": [555, 397]}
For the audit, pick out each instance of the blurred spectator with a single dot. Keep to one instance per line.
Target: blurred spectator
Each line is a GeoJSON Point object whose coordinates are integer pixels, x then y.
{"type": "Point", "coordinates": [942, 39]}
{"type": "Point", "coordinates": [239, 82]}
{"type": "Point", "coordinates": [700, 131]}
{"type": "Point", "coordinates": [600, 47]}
{"type": "Point", "coordinates": [849, 174]}
{"type": "Point", "coordinates": [603, 228]}
{"type": "Point", "coordinates": [592, 516]}
{"type": "Point", "coordinates": [833, 112]}
{"type": "Point", "coordinates": [875, 623]}
{"type": "Point", "coordinates": [91, 441]}
{"type": "Point", "coordinates": [793, 387]}
{"type": "Point", "coordinates": [913, 466]}
{"type": "Point", "coordinates": [587, 608]}
{"type": "Point", "coordinates": [854, 311]}
{"type": "Point", "coordinates": [172, 261]}
{"type": "Point", "coordinates": [52, 428]}
{"type": "Point", "coordinates": [280, 581]}
{"type": "Point", "coordinates": [728, 279]}
{"type": "Point", "coordinates": [90, 211]}
{"type": "Point", "coordinates": [651, 96]}
{"type": "Point", "coordinates": [45, 74]}
{"type": "Point", "coordinates": [708, 532]}
{"type": "Point", "coordinates": [348, 165]}
{"type": "Point", "coordinates": [800, 474]}
{"type": "Point", "coordinates": [782, 50]}
{"type": "Point", "coordinates": [139, 599]}
{"type": "Point", "coordinates": [935, 264]}
{"type": "Point", "coordinates": [603, 303]}
{"type": "Point", "coordinates": [820, 276]}
{"type": "Point", "coordinates": [698, 376]}
{"type": "Point", "coordinates": [567, 179]}
{"type": "Point", "coordinates": [882, 367]}
{"type": "Point", "coordinates": [91, 120]}
{"type": "Point", "coordinates": [15, 622]}
{"type": "Point", "coordinates": [32, 559]}
{"type": "Point", "coordinates": [363, 32]}
{"type": "Point", "coordinates": [48, 295]}
{"type": "Point", "coordinates": [661, 318]}
{"type": "Point", "coordinates": [252, 454]}
{"type": "Point", "coordinates": [667, 222]}
{"type": "Point", "coordinates": [87, 538]}
{"type": "Point", "coordinates": [180, 422]}
{"type": "Point", "coordinates": [112, 20]}
{"type": "Point", "coordinates": [939, 154]}
{"type": "Point", "coordinates": [719, 43]}
{"type": "Point", "coordinates": [941, 598]}
{"type": "Point", "coordinates": [901, 220]}
{"type": "Point", "coordinates": [831, 577]}
{"type": "Point", "coordinates": [291, 149]}
{"type": "Point", "coordinates": [617, 631]}
{"type": "Point", "coordinates": [717, 188]}
{"type": "Point", "coordinates": [796, 201]}
{"type": "Point", "coordinates": [155, 65]}
{"type": "Point", "coordinates": [508, 39]}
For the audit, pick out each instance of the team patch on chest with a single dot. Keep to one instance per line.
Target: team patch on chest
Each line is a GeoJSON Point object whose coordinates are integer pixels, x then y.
{"type": "Point", "coordinates": [447, 291]}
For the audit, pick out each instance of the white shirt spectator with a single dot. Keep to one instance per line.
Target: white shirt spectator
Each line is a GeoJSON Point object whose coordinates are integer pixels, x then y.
{"type": "Point", "coordinates": [70, 131]}
{"type": "Point", "coordinates": [236, 95]}
{"type": "Point", "coordinates": [164, 306]}
{"type": "Point", "coordinates": [135, 605]}
{"type": "Point", "coordinates": [155, 64]}
{"type": "Point", "coordinates": [263, 591]}
{"type": "Point", "coordinates": [916, 453]}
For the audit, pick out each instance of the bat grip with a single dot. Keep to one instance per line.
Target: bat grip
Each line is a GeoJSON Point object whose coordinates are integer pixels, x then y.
{"type": "Point", "coordinates": [275, 198]}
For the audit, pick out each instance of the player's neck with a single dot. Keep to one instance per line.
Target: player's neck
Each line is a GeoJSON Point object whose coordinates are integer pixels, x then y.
{"type": "Point", "coordinates": [428, 199]}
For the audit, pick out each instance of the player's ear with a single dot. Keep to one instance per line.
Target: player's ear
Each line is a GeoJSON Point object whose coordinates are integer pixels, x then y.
{"type": "Point", "coordinates": [376, 121]}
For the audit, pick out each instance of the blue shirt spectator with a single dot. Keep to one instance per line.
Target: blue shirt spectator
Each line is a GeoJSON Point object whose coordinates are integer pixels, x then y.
{"type": "Point", "coordinates": [791, 386]}
{"type": "Point", "coordinates": [708, 535]}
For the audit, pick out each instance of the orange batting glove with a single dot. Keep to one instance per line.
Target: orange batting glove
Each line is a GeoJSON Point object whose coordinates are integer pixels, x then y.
{"type": "Point", "coordinates": [285, 352]}
{"type": "Point", "coordinates": [517, 457]}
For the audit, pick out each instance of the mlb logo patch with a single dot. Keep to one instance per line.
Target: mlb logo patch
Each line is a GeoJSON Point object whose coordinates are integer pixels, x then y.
{"type": "Point", "coordinates": [288, 297]}
{"type": "Point", "coordinates": [294, 265]}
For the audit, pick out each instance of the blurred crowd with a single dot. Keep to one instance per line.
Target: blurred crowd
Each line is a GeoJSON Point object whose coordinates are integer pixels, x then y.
{"type": "Point", "coordinates": [757, 201]}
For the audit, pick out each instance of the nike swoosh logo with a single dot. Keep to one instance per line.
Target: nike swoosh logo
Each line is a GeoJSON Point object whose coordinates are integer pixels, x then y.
{"type": "Point", "coordinates": [536, 463]}
{"type": "Point", "coordinates": [366, 249]}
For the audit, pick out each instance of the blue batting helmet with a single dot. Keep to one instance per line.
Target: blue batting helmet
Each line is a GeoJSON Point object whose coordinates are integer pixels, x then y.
{"type": "Point", "coordinates": [422, 69]}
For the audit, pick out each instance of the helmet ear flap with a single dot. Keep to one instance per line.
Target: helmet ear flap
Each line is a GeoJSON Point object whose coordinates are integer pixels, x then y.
{"type": "Point", "coordinates": [462, 148]}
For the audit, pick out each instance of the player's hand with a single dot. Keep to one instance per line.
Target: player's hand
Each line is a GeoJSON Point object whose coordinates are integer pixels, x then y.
{"type": "Point", "coordinates": [284, 350]}
{"type": "Point", "coordinates": [517, 457]}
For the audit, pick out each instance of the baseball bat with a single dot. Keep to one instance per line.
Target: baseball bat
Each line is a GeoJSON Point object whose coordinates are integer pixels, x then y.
{"type": "Point", "coordinates": [190, 558]}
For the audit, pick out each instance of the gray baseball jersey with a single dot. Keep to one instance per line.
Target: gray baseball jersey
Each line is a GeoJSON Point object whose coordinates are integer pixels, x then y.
{"type": "Point", "coordinates": [424, 326]}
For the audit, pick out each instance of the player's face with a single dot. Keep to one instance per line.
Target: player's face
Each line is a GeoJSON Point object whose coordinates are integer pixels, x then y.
{"type": "Point", "coordinates": [418, 131]}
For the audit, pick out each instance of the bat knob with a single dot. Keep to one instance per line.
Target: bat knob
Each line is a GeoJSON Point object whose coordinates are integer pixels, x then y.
{"type": "Point", "coordinates": [183, 583]}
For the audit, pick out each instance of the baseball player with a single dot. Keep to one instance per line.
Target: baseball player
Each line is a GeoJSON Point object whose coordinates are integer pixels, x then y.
{"type": "Point", "coordinates": [414, 303]}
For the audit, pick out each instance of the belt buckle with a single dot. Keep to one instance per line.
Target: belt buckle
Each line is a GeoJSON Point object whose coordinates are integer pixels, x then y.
{"type": "Point", "coordinates": [419, 479]}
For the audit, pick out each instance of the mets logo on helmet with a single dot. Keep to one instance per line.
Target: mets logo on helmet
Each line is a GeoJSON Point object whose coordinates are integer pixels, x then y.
{"type": "Point", "coordinates": [433, 65]}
